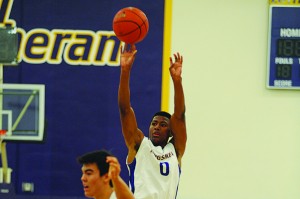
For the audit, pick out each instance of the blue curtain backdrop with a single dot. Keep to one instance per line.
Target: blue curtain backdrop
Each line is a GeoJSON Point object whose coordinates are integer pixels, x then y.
{"type": "Point", "coordinates": [61, 46]}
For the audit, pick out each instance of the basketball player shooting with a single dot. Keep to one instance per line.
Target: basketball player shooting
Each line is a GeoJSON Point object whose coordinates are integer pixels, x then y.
{"type": "Point", "coordinates": [154, 163]}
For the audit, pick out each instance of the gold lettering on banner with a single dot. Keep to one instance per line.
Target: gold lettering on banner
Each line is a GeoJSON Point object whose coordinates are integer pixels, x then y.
{"type": "Point", "coordinates": [74, 47]}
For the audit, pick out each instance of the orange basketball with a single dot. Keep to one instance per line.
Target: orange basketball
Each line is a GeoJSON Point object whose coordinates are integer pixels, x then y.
{"type": "Point", "coordinates": [130, 25]}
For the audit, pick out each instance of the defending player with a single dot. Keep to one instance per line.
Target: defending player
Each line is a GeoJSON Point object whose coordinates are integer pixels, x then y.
{"type": "Point", "coordinates": [154, 163]}
{"type": "Point", "coordinates": [101, 176]}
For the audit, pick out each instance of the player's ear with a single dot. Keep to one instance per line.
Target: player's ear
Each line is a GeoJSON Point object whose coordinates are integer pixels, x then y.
{"type": "Point", "coordinates": [107, 179]}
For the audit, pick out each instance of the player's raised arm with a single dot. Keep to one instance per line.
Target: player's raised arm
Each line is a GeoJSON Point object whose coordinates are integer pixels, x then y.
{"type": "Point", "coordinates": [178, 125]}
{"type": "Point", "coordinates": [132, 135]}
{"type": "Point", "coordinates": [120, 187]}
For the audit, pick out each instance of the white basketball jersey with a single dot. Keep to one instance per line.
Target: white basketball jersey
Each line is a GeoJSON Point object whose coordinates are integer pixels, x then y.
{"type": "Point", "coordinates": [155, 172]}
{"type": "Point", "coordinates": [113, 196]}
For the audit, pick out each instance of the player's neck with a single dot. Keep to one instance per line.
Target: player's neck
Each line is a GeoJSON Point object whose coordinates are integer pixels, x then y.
{"type": "Point", "coordinates": [105, 194]}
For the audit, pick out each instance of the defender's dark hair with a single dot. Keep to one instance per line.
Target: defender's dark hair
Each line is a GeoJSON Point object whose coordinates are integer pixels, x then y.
{"type": "Point", "coordinates": [98, 157]}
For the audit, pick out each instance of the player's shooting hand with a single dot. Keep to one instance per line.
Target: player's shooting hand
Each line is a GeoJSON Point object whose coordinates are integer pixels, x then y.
{"type": "Point", "coordinates": [128, 53]}
{"type": "Point", "coordinates": [114, 167]}
{"type": "Point", "coordinates": [176, 66]}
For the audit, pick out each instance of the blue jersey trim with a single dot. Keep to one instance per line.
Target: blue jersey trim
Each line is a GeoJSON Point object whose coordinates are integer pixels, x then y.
{"type": "Point", "coordinates": [178, 181]}
{"type": "Point", "coordinates": [131, 174]}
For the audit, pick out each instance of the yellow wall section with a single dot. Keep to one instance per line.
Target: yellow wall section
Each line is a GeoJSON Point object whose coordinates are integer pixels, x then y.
{"type": "Point", "coordinates": [165, 90]}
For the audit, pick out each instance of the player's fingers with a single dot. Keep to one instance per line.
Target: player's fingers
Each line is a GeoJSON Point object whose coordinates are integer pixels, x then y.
{"type": "Point", "coordinates": [113, 163]}
{"type": "Point", "coordinates": [179, 58]}
{"type": "Point", "coordinates": [133, 47]}
{"type": "Point", "coordinates": [111, 159]}
{"type": "Point", "coordinates": [171, 61]}
{"type": "Point", "coordinates": [113, 171]}
{"type": "Point", "coordinates": [176, 58]}
{"type": "Point", "coordinates": [134, 52]}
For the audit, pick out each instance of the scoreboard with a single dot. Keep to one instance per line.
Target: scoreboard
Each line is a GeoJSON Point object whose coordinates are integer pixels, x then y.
{"type": "Point", "coordinates": [284, 47]}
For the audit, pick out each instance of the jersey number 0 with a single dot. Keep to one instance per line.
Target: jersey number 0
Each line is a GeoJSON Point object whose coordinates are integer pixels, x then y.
{"type": "Point", "coordinates": [164, 168]}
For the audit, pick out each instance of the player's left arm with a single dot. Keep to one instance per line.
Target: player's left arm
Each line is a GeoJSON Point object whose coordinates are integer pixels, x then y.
{"type": "Point", "coordinates": [178, 124]}
{"type": "Point", "coordinates": [120, 187]}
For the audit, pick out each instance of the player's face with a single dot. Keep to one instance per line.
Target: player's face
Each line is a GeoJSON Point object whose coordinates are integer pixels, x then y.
{"type": "Point", "coordinates": [159, 130]}
{"type": "Point", "coordinates": [93, 183]}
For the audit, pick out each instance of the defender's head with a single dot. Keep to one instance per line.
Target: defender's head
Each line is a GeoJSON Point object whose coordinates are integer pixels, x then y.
{"type": "Point", "coordinates": [94, 169]}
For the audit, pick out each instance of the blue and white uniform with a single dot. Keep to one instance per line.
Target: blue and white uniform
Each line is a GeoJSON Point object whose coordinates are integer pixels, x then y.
{"type": "Point", "coordinates": [155, 172]}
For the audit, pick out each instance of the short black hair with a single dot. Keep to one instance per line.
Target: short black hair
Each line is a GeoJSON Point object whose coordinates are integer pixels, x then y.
{"type": "Point", "coordinates": [98, 157]}
{"type": "Point", "coordinates": [162, 113]}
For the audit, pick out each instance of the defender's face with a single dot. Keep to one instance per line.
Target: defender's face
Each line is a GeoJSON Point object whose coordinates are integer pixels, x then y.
{"type": "Point", "coordinates": [92, 182]}
{"type": "Point", "coordinates": [159, 131]}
